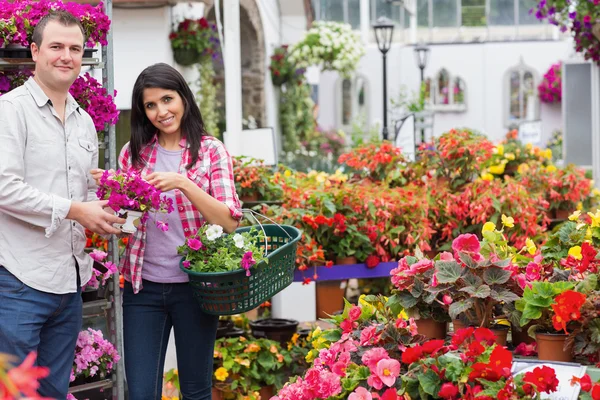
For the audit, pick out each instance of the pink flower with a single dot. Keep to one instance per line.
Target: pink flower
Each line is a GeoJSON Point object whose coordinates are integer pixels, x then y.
{"type": "Point", "coordinates": [347, 325]}
{"type": "Point", "coordinates": [186, 264]}
{"type": "Point", "coordinates": [412, 327]}
{"type": "Point", "coordinates": [447, 299]}
{"type": "Point", "coordinates": [401, 323]}
{"type": "Point", "coordinates": [373, 356]}
{"type": "Point", "coordinates": [98, 255]}
{"type": "Point", "coordinates": [354, 313]}
{"type": "Point", "coordinates": [369, 335]}
{"type": "Point", "coordinates": [467, 243]}
{"type": "Point", "coordinates": [524, 349]}
{"type": "Point", "coordinates": [194, 244]}
{"type": "Point", "coordinates": [360, 394]}
{"type": "Point", "coordinates": [446, 256]}
{"type": "Point", "coordinates": [434, 281]}
{"type": "Point", "coordinates": [448, 391]}
{"type": "Point", "coordinates": [375, 382]}
{"type": "Point", "coordinates": [388, 370]}
{"type": "Point", "coordinates": [163, 226]}
{"type": "Point", "coordinates": [533, 272]}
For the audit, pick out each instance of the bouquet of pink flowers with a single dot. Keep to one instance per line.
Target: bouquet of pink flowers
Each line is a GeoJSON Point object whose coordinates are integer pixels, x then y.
{"type": "Point", "coordinates": [94, 356]}
{"type": "Point", "coordinates": [128, 191]}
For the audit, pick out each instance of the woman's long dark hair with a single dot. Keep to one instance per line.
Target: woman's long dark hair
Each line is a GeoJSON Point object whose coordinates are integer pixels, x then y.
{"type": "Point", "coordinates": [163, 76]}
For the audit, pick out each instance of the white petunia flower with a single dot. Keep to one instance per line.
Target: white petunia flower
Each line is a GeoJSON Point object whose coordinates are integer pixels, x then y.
{"type": "Point", "coordinates": [238, 240]}
{"type": "Point", "coordinates": [214, 232]}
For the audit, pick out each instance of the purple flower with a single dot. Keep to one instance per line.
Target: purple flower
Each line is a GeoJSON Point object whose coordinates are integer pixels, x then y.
{"type": "Point", "coordinates": [186, 264]}
{"type": "Point", "coordinates": [163, 226]}
{"type": "Point", "coordinates": [247, 262]}
{"type": "Point", "coordinates": [194, 244]}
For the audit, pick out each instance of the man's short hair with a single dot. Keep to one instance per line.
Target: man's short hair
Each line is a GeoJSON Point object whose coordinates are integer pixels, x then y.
{"type": "Point", "coordinates": [64, 18]}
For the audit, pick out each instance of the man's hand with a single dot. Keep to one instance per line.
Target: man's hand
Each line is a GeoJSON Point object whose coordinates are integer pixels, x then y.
{"type": "Point", "coordinates": [165, 181]}
{"type": "Point", "coordinates": [93, 217]}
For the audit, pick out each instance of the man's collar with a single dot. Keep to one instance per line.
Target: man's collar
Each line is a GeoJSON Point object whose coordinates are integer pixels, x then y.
{"type": "Point", "coordinates": [41, 99]}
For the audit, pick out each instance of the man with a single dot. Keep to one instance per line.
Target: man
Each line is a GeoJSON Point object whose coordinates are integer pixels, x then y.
{"type": "Point", "coordinates": [48, 146]}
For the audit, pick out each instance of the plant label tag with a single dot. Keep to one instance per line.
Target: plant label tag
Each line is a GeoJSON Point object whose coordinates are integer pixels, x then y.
{"type": "Point", "coordinates": [564, 373]}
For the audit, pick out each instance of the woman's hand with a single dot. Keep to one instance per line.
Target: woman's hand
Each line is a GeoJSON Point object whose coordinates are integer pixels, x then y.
{"type": "Point", "coordinates": [97, 174]}
{"type": "Point", "coordinates": [165, 181]}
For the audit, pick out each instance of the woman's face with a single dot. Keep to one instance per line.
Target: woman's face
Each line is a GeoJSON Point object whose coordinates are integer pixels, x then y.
{"type": "Point", "coordinates": [164, 108]}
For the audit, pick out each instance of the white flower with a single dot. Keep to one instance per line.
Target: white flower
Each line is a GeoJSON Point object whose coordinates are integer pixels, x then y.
{"type": "Point", "coordinates": [214, 232]}
{"type": "Point", "coordinates": [238, 240]}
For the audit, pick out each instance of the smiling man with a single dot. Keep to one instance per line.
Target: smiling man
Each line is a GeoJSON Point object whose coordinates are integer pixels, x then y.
{"type": "Point", "coordinates": [49, 145]}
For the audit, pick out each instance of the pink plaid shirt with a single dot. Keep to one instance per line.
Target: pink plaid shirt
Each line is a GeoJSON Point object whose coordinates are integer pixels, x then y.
{"type": "Point", "coordinates": [213, 173]}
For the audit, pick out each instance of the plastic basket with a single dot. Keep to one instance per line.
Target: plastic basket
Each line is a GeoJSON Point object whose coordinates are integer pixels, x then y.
{"type": "Point", "coordinates": [227, 293]}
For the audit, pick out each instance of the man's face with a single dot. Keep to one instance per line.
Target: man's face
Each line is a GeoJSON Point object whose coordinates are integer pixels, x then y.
{"type": "Point", "coordinates": [58, 58]}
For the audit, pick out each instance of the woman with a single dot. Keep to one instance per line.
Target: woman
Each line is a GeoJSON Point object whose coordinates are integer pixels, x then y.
{"type": "Point", "coordinates": [170, 147]}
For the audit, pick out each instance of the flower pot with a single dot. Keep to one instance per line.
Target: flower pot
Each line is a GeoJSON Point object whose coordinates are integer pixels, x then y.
{"type": "Point", "coordinates": [330, 297]}
{"type": "Point", "coordinates": [518, 337]}
{"type": "Point", "coordinates": [132, 221]}
{"type": "Point", "coordinates": [266, 392]}
{"type": "Point", "coordinates": [346, 260]}
{"type": "Point", "coordinates": [225, 326]}
{"type": "Point", "coordinates": [551, 347]}
{"type": "Point", "coordinates": [249, 198]}
{"type": "Point", "coordinates": [562, 215]}
{"type": "Point", "coordinates": [89, 53]}
{"type": "Point", "coordinates": [431, 328]}
{"type": "Point", "coordinates": [457, 324]}
{"type": "Point", "coordinates": [217, 394]}
{"type": "Point", "coordinates": [13, 50]}
{"type": "Point", "coordinates": [501, 332]}
{"type": "Point", "coordinates": [186, 56]}
{"type": "Point", "coordinates": [278, 329]}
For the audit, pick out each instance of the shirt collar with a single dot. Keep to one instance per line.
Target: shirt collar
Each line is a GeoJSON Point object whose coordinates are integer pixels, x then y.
{"type": "Point", "coordinates": [182, 143]}
{"type": "Point", "coordinates": [41, 99]}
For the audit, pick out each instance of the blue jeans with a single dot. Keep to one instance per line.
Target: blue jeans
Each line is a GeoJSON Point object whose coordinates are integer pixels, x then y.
{"type": "Point", "coordinates": [48, 323]}
{"type": "Point", "coordinates": [147, 320]}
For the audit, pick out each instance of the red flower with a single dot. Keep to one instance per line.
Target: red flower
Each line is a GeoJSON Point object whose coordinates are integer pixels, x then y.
{"type": "Point", "coordinates": [390, 394]}
{"type": "Point", "coordinates": [25, 377]}
{"type": "Point", "coordinates": [372, 261]}
{"type": "Point", "coordinates": [544, 378]}
{"type": "Point", "coordinates": [329, 264]}
{"type": "Point", "coordinates": [585, 382]}
{"type": "Point", "coordinates": [596, 392]}
{"type": "Point", "coordinates": [483, 370]}
{"type": "Point", "coordinates": [461, 335]}
{"type": "Point", "coordinates": [306, 281]}
{"type": "Point", "coordinates": [432, 346]}
{"type": "Point", "coordinates": [412, 354]}
{"type": "Point", "coordinates": [485, 335]}
{"type": "Point", "coordinates": [501, 360]}
{"type": "Point", "coordinates": [448, 391]}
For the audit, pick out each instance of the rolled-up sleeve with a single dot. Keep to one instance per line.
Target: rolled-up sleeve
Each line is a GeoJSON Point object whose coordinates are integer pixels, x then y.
{"type": "Point", "coordinates": [222, 184]}
{"type": "Point", "coordinates": [17, 198]}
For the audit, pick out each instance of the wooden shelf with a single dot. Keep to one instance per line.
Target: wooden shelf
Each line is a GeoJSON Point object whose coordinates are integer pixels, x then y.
{"type": "Point", "coordinates": [103, 384]}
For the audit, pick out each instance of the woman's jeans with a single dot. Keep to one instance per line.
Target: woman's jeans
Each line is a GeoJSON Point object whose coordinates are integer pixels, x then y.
{"type": "Point", "coordinates": [147, 320]}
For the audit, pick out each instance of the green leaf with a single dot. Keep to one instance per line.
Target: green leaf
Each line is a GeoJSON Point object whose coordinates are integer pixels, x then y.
{"type": "Point", "coordinates": [393, 303]}
{"type": "Point", "coordinates": [562, 286]}
{"type": "Point", "coordinates": [468, 260]}
{"type": "Point", "coordinates": [417, 288]}
{"type": "Point", "coordinates": [530, 313]}
{"type": "Point", "coordinates": [504, 295]}
{"type": "Point", "coordinates": [588, 284]}
{"type": "Point", "coordinates": [502, 263]}
{"type": "Point", "coordinates": [406, 300]}
{"type": "Point", "coordinates": [459, 307]}
{"type": "Point", "coordinates": [496, 276]}
{"type": "Point", "coordinates": [471, 279]}
{"type": "Point", "coordinates": [430, 382]}
{"type": "Point", "coordinates": [332, 335]}
{"type": "Point", "coordinates": [481, 292]}
{"type": "Point", "coordinates": [448, 271]}
{"type": "Point", "coordinates": [265, 359]}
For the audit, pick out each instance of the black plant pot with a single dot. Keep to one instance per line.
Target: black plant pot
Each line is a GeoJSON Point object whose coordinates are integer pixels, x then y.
{"type": "Point", "coordinates": [280, 330]}
{"type": "Point", "coordinates": [89, 53]}
{"type": "Point", "coordinates": [225, 326]}
{"type": "Point", "coordinates": [16, 51]}
{"type": "Point", "coordinates": [186, 56]}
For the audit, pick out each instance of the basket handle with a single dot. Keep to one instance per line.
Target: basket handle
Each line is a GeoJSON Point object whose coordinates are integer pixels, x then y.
{"type": "Point", "coordinates": [254, 214]}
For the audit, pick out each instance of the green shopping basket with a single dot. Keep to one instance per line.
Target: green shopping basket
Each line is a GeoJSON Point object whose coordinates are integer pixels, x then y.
{"type": "Point", "coordinates": [232, 292]}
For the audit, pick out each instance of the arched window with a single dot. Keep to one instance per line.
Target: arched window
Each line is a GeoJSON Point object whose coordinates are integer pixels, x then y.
{"type": "Point", "coordinates": [446, 93]}
{"type": "Point", "coordinates": [353, 100]}
{"type": "Point", "coordinates": [521, 102]}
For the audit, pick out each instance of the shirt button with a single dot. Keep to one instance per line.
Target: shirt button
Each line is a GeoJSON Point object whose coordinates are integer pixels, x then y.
{"type": "Point", "coordinates": [73, 223]}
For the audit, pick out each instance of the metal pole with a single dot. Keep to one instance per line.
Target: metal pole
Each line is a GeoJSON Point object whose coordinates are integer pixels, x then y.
{"type": "Point", "coordinates": [385, 128]}
{"type": "Point", "coordinates": [420, 94]}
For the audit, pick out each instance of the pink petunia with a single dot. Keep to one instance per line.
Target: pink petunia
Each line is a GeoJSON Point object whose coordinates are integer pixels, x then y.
{"type": "Point", "coordinates": [194, 244]}
{"type": "Point", "coordinates": [388, 370]}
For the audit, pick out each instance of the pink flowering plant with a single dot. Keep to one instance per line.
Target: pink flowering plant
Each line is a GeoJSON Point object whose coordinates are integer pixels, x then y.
{"type": "Point", "coordinates": [12, 79]}
{"type": "Point", "coordinates": [129, 191]}
{"type": "Point", "coordinates": [550, 89]}
{"type": "Point", "coordinates": [94, 99]}
{"type": "Point", "coordinates": [94, 356]}
{"type": "Point", "coordinates": [211, 250]}
{"type": "Point", "coordinates": [360, 357]}
{"type": "Point", "coordinates": [99, 278]}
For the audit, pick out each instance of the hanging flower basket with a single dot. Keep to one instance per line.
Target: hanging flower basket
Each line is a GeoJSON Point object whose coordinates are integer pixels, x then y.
{"type": "Point", "coordinates": [186, 56]}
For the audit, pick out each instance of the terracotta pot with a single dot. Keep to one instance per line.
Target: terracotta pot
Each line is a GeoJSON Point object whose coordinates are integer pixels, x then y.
{"type": "Point", "coordinates": [551, 347]}
{"type": "Point", "coordinates": [457, 324]}
{"type": "Point", "coordinates": [521, 336]}
{"type": "Point", "coordinates": [346, 260]}
{"type": "Point", "coordinates": [431, 328]}
{"type": "Point", "coordinates": [249, 197]}
{"type": "Point", "coordinates": [501, 332]}
{"type": "Point", "coordinates": [266, 392]}
{"type": "Point", "coordinates": [217, 394]}
{"type": "Point", "coordinates": [562, 214]}
{"type": "Point", "coordinates": [330, 298]}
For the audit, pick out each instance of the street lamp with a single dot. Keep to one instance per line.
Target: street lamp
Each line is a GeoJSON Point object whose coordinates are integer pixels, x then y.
{"type": "Point", "coordinates": [384, 29]}
{"type": "Point", "coordinates": [421, 54]}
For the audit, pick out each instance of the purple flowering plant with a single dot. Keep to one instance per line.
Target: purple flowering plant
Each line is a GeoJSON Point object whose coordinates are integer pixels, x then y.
{"type": "Point", "coordinates": [199, 34]}
{"type": "Point", "coordinates": [100, 278]}
{"type": "Point", "coordinates": [96, 101]}
{"type": "Point", "coordinates": [550, 89]}
{"type": "Point", "coordinates": [582, 18]}
{"type": "Point", "coordinates": [18, 19]}
{"type": "Point", "coordinates": [12, 79]}
{"type": "Point", "coordinates": [94, 355]}
{"type": "Point", "coordinates": [129, 191]}
{"type": "Point", "coordinates": [210, 250]}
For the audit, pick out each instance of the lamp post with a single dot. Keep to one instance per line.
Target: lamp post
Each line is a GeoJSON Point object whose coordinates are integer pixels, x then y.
{"type": "Point", "coordinates": [421, 55]}
{"type": "Point", "coordinates": [384, 29]}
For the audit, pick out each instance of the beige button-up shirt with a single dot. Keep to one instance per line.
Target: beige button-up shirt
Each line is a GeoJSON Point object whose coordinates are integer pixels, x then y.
{"type": "Point", "coordinates": [44, 165]}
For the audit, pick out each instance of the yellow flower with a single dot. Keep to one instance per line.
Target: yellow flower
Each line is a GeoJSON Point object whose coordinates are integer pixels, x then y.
{"type": "Point", "coordinates": [530, 246]}
{"type": "Point", "coordinates": [595, 218]}
{"type": "Point", "coordinates": [245, 363]}
{"type": "Point", "coordinates": [509, 222]}
{"type": "Point", "coordinates": [548, 154]}
{"type": "Point", "coordinates": [287, 173]}
{"type": "Point", "coordinates": [487, 176]}
{"type": "Point", "coordinates": [579, 206]}
{"type": "Point", "coordinates": [252, 348]}
{"type": "Point", "coordinates": [551, 168]}
{"type": "Point", "coordinates": [488, 227]}
{"type": "Point", "coordinates": [497, 169]}
{"type": "Point", "coordinates": [242, 339]}
{"type": "Point", "coordinates": [575, 252]}
{"type": "Point", "coordinates": [273, 349]}
{"type": "Point", "coordinates": [310, 356]}
{"type": "Point", "coordinates": [529, 146]}
{"type": "Point", "coordinates": [575, 215]}
{"type": "Point", "coordinates": [521, 169]}
{"type": "Point", "coordinates": [295, 338]}
{"type": "Point", "coordinates": [221, 374]}
{"type": "Point", "coordinates": [176, 371]}
{"type": "Point", "coordinates": [509, 156]}
{"type": "Point", "coordinates": [499, 149]}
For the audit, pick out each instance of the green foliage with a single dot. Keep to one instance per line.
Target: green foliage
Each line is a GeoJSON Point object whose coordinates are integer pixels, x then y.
{"type": "Point", "coordinates": [206, 97]}
{"type": "Point", "coordinates": [536, 301]}
{"type": "Point", "coordinates": [295, 114]}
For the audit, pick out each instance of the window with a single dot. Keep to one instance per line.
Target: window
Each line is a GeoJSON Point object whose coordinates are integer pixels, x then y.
{"type": "Point", "coordinates": [446, 93]}
{"type": "Point", "coordinates": [521, 102]}
{"type": "Point", "coordinates": [502, 12]}
{"type": "Point", "coordinates": [473, 13]}
{"type": "Point", "coordinates": [347, 11]}
{"type": "Point", "coordinates": [353, 97]}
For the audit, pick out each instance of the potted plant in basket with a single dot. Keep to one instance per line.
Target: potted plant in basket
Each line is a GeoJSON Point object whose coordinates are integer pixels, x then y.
{"type": "Point", "coordinates": [132, 198]}
{"type": "Point", "coordinates": [429, 308]}
{"type": "Point", "coordinates": [193, 40]}
{"type": "Point", "coordinates": [95, 358]}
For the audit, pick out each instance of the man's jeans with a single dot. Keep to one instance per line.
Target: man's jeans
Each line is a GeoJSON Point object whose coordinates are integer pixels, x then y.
{"type": "Point", "coordinates": [147, 320]}
{"type": "Point", "coordinates": [48, 323]}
